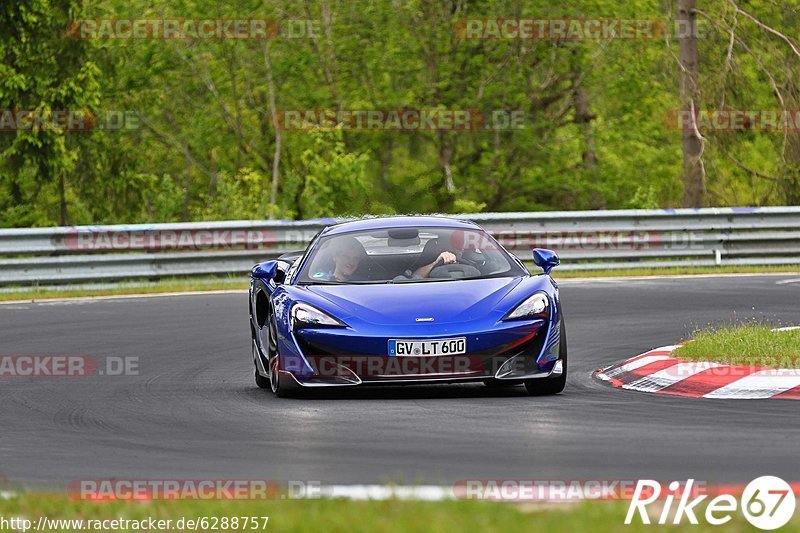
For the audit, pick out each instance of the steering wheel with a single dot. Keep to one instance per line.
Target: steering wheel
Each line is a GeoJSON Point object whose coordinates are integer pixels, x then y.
{"type": "Point", "coordinates": [454, 271]}
{"type": "Point", "coordinates": [475, 259]}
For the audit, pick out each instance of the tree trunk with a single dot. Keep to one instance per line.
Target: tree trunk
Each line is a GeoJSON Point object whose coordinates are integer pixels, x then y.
{"type": "Point", "coordinates": [694, 189]}
{"type": "Point", "coordinates": [187, 185]}
{"type": "Point", "coordinates": [448, 190]}
{"type": "Point", "coordinates": [276, 158]}
{"type": "Point", "coordinates": [212, 184]}
{"type": "Point", "coordinates": [584, 118]}
{"type": "Point", "coordinates": [445, 154]}
{"type": "Point", "coordinates": [387, 151]}
{"type": "Point", "coordinates": [62, 189]}
{"type": "Point", "coordinates": [789, 175]}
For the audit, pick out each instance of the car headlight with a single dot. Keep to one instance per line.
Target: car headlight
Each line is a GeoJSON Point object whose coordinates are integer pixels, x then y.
{"type": "Point", "coordinates": [537, 306]}
{"type": "Point", "coordinates": [307, 316]}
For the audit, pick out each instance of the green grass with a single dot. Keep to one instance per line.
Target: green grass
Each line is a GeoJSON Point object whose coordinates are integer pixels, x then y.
{"type": "Point", "coordinates": [747, 344]}
{"type": "Point", "coordinates": [240, 282]}
{"type": "Point", "coordinates": [164, 286]}
{"type": "Point", "coordinates": [353, 516]}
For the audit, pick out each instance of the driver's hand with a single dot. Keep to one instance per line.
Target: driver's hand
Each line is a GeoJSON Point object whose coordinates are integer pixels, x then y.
{"type": "Point", "coordinates": [447, 258]}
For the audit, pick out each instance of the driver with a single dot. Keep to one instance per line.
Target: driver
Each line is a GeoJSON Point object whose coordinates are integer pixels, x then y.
{"type": "Point", "coordinates": [444, 258]}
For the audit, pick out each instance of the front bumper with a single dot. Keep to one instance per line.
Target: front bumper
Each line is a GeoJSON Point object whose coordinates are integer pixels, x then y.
{"type": "Point", "coordinates": [512, 352]}
{"type": "Point", "coordinates": [315, 381]}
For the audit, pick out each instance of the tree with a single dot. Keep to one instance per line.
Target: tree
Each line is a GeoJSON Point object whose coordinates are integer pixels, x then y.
{"type": "Point", "coordinates": [694, 188]}
{"type": "Point", "coordinates": [43, 72]}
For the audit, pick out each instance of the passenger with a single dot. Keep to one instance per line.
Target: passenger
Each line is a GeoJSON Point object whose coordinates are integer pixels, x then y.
{"type": "Point", "coordinates": [347, 256]}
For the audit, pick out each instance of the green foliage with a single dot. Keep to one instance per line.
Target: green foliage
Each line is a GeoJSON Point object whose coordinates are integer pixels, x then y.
{"type": "Point", "coordinates": [41, 72]}
{"type": "Point", "coordinates": [468, 206]}
{"type": "Point", "coordinates": [203, 144]}
{"type": "Point", "coordinates": [644, 198]}
{"type": "Point", "coordinates": [335, 181]}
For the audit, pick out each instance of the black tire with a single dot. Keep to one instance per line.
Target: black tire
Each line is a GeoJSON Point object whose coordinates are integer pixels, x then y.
{"type": "Point", "coordinates": [277, 382]}
{"type": "Point", "coordinates": [273, 380]}
{"type": "Point", "coordinates": [549, 386]}
{"type": "Point", "coordinates": [261, 381]}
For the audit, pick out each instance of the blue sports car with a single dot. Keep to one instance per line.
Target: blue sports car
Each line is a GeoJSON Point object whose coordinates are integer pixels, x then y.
{"type": "Point", "coordinates": [412, 299]}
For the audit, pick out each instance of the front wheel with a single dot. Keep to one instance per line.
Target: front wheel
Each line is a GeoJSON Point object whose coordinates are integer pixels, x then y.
{"type": "Point", "coordinates": [548, 386]}
{"type": "Point", "coordinates": [277, 382]}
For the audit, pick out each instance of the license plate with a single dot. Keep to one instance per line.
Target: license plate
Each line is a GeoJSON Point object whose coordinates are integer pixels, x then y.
{"type": "Point", "coordinates": [428, 348]}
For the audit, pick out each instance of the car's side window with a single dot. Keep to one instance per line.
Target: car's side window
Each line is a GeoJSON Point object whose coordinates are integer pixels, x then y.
{"type": "Point", "coordinates": [293, 270]}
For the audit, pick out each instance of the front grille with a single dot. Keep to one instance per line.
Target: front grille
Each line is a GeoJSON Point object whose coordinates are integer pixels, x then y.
{"type": "Point", "coordinates": [369, 367]}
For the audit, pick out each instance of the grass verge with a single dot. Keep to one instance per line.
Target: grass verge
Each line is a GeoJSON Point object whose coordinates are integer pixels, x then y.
{"type": "Point", "coordinates": [158, 287]}
{"type": "Point", "coordinates": [349, 516]}
{"type": "Point", "coordinates": [746, 344]}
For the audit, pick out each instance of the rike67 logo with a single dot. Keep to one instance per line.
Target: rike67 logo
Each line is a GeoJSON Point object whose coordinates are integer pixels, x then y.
{"type": "Point", "coordinates": [767, 503]}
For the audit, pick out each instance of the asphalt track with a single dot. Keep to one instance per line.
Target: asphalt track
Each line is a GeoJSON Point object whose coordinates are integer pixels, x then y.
{"type": "Point", "coordinates": [193, 411]}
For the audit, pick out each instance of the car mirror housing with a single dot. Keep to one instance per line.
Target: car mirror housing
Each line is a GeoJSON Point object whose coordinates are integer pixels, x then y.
{"type": "Point", "coordinates": [545, 259]}
{"type": "Point", "coordinates": [265, 271]}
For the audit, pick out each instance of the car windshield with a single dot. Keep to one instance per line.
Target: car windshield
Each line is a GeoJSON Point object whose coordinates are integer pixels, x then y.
{"type": "Point", "coordinates": [407, 255]}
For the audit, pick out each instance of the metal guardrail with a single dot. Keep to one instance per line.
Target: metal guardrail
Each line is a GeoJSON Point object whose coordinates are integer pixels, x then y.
{"type": "Point", "coordinates": [585, 240]}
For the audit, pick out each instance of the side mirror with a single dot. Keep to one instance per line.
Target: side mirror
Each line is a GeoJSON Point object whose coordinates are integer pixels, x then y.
{"type": "Point", "coordinates": [265, 271]}
{"type": "Point", "coordinates": [545, 259]}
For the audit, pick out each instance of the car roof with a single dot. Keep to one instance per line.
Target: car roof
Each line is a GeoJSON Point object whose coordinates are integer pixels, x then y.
{"type": "Point", "coordinates": [406, 221]}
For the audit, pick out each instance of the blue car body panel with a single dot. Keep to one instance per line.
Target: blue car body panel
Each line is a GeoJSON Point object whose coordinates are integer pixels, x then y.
{"type": "Point", "coordinates": [374, 314]}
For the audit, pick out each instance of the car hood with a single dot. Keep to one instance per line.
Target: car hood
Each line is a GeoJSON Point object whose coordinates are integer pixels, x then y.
{"type": "Point", "coordinates": [403, 303]}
